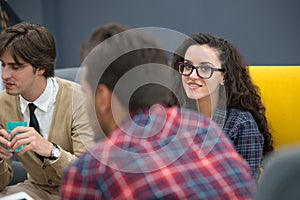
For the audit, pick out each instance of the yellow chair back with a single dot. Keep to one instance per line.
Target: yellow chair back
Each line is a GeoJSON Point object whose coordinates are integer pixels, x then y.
{"type": "Point", "coordinates": [280, 91]}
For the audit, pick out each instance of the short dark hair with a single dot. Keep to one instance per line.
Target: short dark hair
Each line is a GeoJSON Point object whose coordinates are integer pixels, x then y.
{"type": "Point", "coordinates": [99, 35]}
{"type": "Point", "coordinates": [31, 42]}
{"type": "Point", "coordinates": [124, 52]}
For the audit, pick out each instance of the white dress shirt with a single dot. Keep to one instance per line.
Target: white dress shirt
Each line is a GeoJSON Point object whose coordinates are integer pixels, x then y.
{"type": "Point", "coordinates": [45, 106]}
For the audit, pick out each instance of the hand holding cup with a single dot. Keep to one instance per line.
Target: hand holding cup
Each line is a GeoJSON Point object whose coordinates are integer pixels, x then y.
{"type": "Point", "coordinates": [11, 126]}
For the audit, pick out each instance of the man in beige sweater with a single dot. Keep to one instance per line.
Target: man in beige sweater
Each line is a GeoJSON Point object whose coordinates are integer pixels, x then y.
{"type": "Point", "coordinates": [27, 55]}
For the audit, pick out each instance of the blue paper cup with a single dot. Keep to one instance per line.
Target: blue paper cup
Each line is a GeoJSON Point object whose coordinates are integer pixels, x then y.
{"type": "Point", "coordinates": [11, 126]}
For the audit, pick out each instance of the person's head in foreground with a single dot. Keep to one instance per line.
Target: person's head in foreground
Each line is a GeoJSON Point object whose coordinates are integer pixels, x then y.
{"type": "Point", "coordinates": [153, 150]}
{"type": "Point", "coordinates": [214, 77]}
{"type": "Point", "coordinates": [99, 35]}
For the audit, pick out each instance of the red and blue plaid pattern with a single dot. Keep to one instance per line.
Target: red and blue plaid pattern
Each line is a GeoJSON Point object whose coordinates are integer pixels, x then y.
{"type": "Point", "coordinates": [164, 153]}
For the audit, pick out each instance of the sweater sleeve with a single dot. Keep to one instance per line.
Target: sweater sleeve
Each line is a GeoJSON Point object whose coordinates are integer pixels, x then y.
{"type": "Point", "coordinates": [6, 173]}
{"type": "Point", "coordinates": [81, 136]}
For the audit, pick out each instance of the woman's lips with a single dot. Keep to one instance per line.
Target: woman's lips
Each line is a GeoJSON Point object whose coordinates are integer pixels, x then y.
{"type": "Point", "coordinates": [194, 85]}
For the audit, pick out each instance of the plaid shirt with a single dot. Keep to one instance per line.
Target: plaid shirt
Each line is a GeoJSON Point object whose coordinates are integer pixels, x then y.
{"type": "Point", "coordinates": [164, 153]}
{"type": "Point", "coordinates": [242, 129]}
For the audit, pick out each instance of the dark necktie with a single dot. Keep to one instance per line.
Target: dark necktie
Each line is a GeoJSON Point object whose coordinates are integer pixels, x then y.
{"type": "Point", "coordinates": [33, 120]}
{"type": "Point", "coordinates": [34, 123]}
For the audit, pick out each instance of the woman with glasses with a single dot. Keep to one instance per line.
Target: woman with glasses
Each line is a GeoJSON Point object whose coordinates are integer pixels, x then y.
{"type": "Point", "coordinates": [214, 79]}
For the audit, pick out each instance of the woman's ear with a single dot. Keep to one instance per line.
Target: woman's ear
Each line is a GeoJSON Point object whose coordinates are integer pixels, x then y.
{"type": "Point", "coordinates": [222, 79]}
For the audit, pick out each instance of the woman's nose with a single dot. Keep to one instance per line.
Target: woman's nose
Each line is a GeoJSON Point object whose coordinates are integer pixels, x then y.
{"type": "Point", "coordinates": [194, 74]}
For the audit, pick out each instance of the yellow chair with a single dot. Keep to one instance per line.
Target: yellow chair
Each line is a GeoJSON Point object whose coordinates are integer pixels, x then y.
{"type": "Point", "coordinates": [280, 91]}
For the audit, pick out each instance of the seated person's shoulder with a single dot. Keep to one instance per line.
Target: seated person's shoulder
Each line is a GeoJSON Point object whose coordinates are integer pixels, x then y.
{"type": "Point", "coordinates": [67, 84]}
{"type": "Point", "coordinates": [6, 98]}
{"type": "Point", "coordinates": [239, 116]}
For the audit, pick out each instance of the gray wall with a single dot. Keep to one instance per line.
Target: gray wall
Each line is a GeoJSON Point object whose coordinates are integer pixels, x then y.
{"type": "Point", "coordinates": [266, 31]}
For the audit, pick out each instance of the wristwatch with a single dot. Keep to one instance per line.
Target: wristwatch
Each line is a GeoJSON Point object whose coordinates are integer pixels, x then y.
{"type": "Point", "coordinates": [55, 153]}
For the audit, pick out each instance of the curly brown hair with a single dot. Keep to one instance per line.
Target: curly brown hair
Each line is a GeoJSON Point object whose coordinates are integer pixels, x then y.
{"type": "Point", "coordinates": [241, 92]}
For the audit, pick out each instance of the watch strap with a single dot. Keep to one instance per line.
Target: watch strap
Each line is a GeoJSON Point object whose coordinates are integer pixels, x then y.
{"type": "Point", "coordinates": [55, 146]}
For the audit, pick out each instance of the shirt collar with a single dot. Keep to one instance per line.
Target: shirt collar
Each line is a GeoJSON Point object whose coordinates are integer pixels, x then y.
{"type": "Point", "coordinates": [43, 102]}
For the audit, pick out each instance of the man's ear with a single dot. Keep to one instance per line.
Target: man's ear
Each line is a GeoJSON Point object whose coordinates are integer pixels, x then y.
{"type": "Point", "coordinates": [40, 71]}
{"type": "Point", "coordinates": [103, 98]}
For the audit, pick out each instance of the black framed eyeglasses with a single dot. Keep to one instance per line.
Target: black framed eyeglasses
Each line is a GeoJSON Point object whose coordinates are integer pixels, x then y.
{"type": "Point", "coordinates": [203, 70]}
